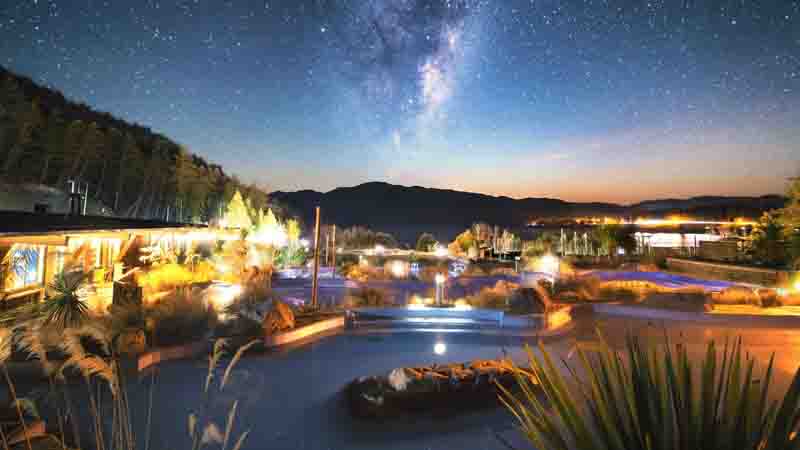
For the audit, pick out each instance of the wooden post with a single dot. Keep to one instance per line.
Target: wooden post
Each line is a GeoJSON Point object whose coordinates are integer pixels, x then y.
{"type": "Point", "coordinates": [315, 280]}
{"type": "Point", "coordinates": [333, 247]}
{"type": "Point", "coordinates": [327, 248]}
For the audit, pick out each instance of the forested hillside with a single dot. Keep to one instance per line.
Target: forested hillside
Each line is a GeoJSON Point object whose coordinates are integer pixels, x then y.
{"type": "Point", "coordinates": [46, 139]}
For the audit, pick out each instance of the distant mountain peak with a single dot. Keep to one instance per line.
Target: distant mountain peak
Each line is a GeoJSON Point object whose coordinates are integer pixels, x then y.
{"type": "Point", "coordinates": [408, 211]}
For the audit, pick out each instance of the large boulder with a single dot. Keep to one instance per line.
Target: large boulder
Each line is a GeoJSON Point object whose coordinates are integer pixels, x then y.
{"type": "Point", "coordinates": [529, 300]}
{"type": "Point", "coordinates": [279, 318]}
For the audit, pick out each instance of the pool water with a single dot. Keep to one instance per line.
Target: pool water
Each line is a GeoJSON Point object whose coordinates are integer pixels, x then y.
{"type": "Point", "coordinates": [292, 399]}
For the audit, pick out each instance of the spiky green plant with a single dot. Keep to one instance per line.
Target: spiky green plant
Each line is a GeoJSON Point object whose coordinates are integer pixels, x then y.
{"type": "Point", "coordinates": [64, 307]}
{"type": "Point", "coordinates": [655, 398]}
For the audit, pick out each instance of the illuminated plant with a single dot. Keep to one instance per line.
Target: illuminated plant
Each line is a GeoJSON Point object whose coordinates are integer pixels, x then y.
{"type": "Point", "coordinates": [165, 277]}
{"type": "Point", "coordinates": [236, 215]}
{"type": "Point", "coordinates": [654, 397]}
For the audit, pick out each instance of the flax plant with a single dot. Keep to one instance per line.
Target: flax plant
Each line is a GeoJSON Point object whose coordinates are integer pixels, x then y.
{"type": "Point", "coordinates": [654, 397]}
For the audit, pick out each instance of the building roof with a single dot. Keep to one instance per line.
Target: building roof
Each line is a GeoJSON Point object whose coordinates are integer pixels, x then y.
{"type": "Point", "coordinates": [26, 223]}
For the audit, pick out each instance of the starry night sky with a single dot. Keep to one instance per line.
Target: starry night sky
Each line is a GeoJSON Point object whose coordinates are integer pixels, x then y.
{"type": "Point", "coordinates": [581, 100]}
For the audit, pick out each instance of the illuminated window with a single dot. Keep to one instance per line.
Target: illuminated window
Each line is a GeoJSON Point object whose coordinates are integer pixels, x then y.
{"type": "Point", "coordinates": [25, 266]}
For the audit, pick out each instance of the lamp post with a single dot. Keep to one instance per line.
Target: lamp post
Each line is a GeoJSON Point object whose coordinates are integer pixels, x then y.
{"type": "Point", "coordinates": [440, 279]}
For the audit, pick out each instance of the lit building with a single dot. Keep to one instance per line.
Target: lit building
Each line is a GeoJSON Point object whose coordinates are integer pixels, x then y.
{"type": "Point", "coordinates": [36, 247]}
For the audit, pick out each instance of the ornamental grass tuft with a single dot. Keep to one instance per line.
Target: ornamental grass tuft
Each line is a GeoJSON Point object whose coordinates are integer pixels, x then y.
{"type": "Point", "coordinates": [654, 397]}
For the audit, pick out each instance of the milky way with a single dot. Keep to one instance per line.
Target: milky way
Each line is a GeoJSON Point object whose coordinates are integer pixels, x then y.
{"type": "Point", "coordinates": [580, 99]}
{"type": "Point", "coordinates": [401, 57]}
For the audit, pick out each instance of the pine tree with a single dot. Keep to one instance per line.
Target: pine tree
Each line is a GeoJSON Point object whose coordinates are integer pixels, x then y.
{"type": "Point", "coordinates": [237, 215]}
{"type": "Point", "coordinates": [26, 126]}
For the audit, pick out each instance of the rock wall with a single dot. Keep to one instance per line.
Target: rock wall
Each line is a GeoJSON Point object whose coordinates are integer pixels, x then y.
{"type": "Point", "coordinates": [730, 272]}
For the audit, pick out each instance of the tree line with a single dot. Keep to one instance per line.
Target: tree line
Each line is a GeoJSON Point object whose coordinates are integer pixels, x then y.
{"type": "Point", "coordinates": [134, 172]}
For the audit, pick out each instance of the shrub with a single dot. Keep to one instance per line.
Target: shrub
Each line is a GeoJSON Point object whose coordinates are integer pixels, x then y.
{"type": "Point", "coordinates": [687, 300]}
{"type": "Point", "coordinates": [488, 299]}
{"type": "Point", "coordinates": [736, 295]}
{"type": "Point", "coordinates": [165, 277]}
{"type": "Point", "coordinates": [495, 297]}
{"type": "Point", "coordinates": [646, 398]}
{"type": "Point", "coordinates": [577, 288]}
{"type": "Point", "coordinates": [768, 297]}
{"type": "Point", "coordinates": [790, 300]}
{"type": "Point", "coordinates": [528, 300]}
{"type": "Point", "coordinates": [620, 294]}
{"type": "Point", "coordinates": [366, 297]}
{"type": "Point", "coordinates": [204, 272]}
{"type": "Point", "coordinates": [179, 318]}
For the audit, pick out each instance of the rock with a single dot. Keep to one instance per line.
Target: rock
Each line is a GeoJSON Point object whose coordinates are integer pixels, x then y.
{"type": "Point", "coordinates": [132, 341]}
{"type": "Point", "coordinates": [398, 379]}
{"type": "Point", "coordinates": [279, 318]}
{"type": "Point", "coordinates": [529, 300]}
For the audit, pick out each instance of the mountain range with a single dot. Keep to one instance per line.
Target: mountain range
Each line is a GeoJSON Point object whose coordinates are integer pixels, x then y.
{"type": "Point", "coordinates": [406, 211]}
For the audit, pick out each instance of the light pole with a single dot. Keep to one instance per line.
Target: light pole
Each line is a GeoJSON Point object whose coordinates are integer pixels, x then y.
{"type": "Point", "coordinates": [440, 279]}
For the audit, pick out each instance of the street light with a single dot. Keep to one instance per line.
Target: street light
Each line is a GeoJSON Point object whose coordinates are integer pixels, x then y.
{"type": "Point", "coordinates": [440, 279]}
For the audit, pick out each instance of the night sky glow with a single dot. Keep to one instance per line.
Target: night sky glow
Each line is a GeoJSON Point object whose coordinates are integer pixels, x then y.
{"type": "Point", "coordinates": [581, 100]}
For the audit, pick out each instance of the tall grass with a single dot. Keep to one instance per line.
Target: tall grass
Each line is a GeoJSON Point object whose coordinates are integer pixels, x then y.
{"type": "Point", "coordinates": [655, 398]}
{"type": "Point", "coordinates": [92, 358]}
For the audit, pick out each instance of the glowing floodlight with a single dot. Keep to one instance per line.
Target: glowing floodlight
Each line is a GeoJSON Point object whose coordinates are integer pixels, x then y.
{"type": "Point", "coordinates": [548, 264]}
{"type": "Point", "coordinates": [440, 348]}
{"type": "Point", "coordinates": [440, 251]}
{"type": "Point", "coordinates": [398, 269]}
{"type": "Point", "coordinates": [379, 249]}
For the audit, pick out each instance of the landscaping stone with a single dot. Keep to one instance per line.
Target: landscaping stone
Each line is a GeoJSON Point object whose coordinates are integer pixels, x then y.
{"type": "Point", "coordinates": [442, 390]}
{"type": "Point", "coordinates": [279, 318]}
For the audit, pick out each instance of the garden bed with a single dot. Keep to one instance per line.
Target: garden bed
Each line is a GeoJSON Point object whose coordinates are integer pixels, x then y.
{"type": "Point", "coordinates": [306, 325]}
{"type": "Point", "coordinates": [441, 390]}
{"type": "Point", "coordinates": [158, 355]}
